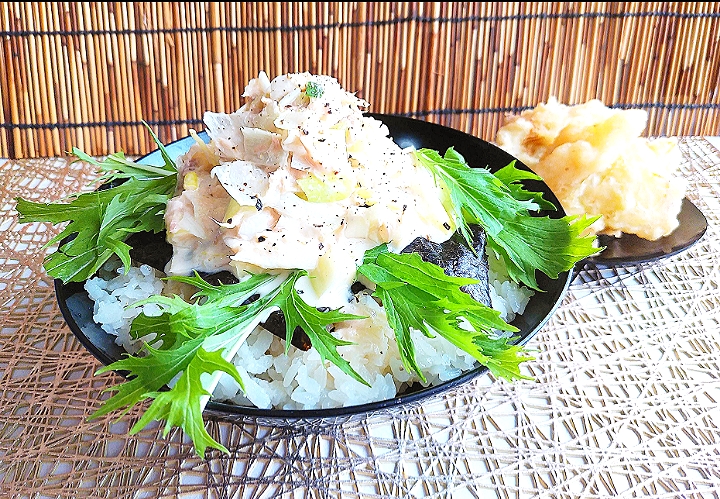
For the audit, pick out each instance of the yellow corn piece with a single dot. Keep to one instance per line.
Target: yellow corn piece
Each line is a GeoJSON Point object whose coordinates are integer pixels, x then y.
{"type": "Point", "coordinates": [234, 208]}
{"type": "Point", "coordinates": [190, 181]}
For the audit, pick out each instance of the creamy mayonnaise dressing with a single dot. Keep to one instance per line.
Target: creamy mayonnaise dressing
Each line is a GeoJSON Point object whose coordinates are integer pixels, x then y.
{"type": "Point", "coordinates": [291, 181]}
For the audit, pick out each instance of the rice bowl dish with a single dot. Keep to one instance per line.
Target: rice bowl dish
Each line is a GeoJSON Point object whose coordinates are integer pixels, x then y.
{"type": "Point", "coordinates": [316, 263]}
{"type": "Point", "coordinates": [214, 225]}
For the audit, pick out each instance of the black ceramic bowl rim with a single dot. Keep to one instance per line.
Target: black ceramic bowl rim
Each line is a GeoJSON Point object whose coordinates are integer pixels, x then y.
{"type": "Point", "coordinates": [406, 132]}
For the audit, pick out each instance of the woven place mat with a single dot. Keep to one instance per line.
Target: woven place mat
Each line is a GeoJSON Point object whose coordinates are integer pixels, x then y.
{"type": "Point", "coordinates": [625, 402]}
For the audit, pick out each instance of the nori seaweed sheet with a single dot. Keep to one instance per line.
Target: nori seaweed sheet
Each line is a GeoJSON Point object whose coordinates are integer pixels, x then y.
{"type": "Point", "coordinates": [457, 260]}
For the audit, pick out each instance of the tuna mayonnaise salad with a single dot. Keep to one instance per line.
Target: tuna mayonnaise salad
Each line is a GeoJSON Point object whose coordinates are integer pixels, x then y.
{"type": "Point", "coordinates": [292, 181]}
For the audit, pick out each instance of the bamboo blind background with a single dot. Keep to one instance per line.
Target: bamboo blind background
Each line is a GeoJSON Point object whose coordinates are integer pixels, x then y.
{"type": "Point", "coordinates": [87, 74]}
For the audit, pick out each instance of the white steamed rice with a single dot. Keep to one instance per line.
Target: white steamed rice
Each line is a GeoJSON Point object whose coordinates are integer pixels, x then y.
{"type": "Point", "coordinates": [113, 291]}
{"type": "Point", "coordinates": [299, 380]}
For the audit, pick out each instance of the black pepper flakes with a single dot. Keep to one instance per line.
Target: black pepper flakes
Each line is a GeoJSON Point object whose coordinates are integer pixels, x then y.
{"type": "Point", "coordinates": [321, 246]}
{"type": "Point", "coordinates": [261, 239]}
{"type": "Point", "coordinates": [258, 205]}
{"type": "Point", "coordinates": [446, 225]}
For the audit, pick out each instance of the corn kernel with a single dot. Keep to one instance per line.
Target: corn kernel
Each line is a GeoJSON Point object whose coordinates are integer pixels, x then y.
{"type": "Point", "coordinates": [366, 195]}
{"type": "Point", "coordinates": [190, 181]}
{"type": "Point", "coordinates": [233, 208]}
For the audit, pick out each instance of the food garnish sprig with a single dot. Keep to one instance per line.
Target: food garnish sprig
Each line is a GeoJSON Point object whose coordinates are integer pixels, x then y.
{"type": "Point", "coordinates": [99, 222]}
{"type": "Point", "coordinates": [500, 205]}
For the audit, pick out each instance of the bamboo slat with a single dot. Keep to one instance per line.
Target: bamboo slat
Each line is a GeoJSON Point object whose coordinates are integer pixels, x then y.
{"type": "Point", "coordinates": [88, 74]}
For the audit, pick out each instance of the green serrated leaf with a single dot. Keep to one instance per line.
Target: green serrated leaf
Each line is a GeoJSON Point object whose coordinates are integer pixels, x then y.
{"type": "Point", "coordinates": [226, 295]}
{"type": "Point", "coordinates": [419, 295]}
{"type": "Point", "coordinates": [512, 177]}
{"type": "Point", "coordinates": [195, 337]}
{"type": "Point", "coordinates": [144, 325]}
{"type": "Point", "coordinates": [314, 322]}
{"type": "Point", "coordinates": [169, 164]}
{"type": "Point", "coordinates": [98, 224]}
{"type": "Point", "coordinates": [148, 374]}
{"type": "Point", "coordinates": [181, 405]}
{"type": "Point", "coordinates": [528, 243]}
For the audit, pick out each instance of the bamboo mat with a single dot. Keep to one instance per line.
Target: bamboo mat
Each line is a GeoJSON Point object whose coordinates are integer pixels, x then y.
{"type": "Point", "coordinates": [86, 74]}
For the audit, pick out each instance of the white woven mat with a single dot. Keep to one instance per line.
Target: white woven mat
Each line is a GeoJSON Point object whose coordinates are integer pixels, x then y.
{"type": "Point", "coordinates": [626, 400]}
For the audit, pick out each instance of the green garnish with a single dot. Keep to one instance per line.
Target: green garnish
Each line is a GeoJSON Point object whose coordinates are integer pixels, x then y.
{"type": "Point", "coordinates": [193, 337]}
{"type": "Point", "coordinates": [527, 243]}
{"type": "Point", "coordinates": [314, 323]}
{"type": "Point", "coordinates": [419, 295]}
{"type": "Point", "coordinates": [512, 178]}
{"type": "Point", "coordinates": [313, 89]}
{"type": "Point", "coordinates": [199, 338]}
{"type": "Point", "coordinates": [117, 166]}
{"type": "Point", "coordinates": [101, 221]}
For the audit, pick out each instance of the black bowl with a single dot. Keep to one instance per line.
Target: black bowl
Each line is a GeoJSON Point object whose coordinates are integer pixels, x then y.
{"type": "Point", "coordinates": [76, 306]}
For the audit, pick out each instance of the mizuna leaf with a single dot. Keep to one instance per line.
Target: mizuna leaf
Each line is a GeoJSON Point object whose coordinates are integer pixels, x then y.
{"type": "Point", "coordinates": [181, 406]}
{"type": "Point", "coordinates": [419, 295]}
{"type": "Point", "coordinates": [194, 337]}
{"type": "Point", "coordinates": [99, 222]}
{"type": "Point", "coordinates": [528, 243]}
{"type": "Point", "coordinates": [315, 323]}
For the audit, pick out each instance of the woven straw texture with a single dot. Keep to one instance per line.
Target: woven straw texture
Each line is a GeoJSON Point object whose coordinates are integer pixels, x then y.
{"type": "Point", "coordinates": [626, 401]}
{"type": "Point", "coordinates": [86, 74]}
